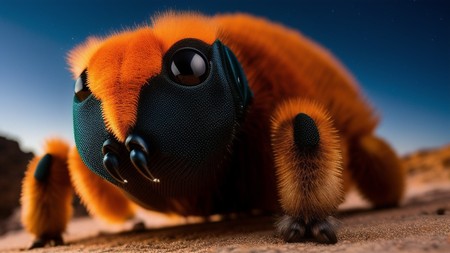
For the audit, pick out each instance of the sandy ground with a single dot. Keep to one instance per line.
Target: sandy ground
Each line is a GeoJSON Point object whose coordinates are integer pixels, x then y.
{"type": "Point", "coordinates": [421, 224]}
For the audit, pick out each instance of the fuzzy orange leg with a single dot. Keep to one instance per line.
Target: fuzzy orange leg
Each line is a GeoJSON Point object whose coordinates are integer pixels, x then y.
{"type": "Point", "coordinates": [309, 170]}
{"type": "Point", "coordinates": [101, 198]}
{"type": "Point", "coordinates": [377, 171]}
{"type": "Point", "coordinates": [47, 195]}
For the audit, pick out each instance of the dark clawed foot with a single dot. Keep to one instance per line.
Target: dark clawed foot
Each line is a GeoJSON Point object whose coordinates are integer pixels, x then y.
{"type": "Point", "coordinates": [47, 240]}
{"type": "Point", "coordinates": [323, 232]}
{"type": "Point", "coordinates": [296, 230]}
{"type": "Point", "coordinates": [138, 227]}
{"type": "Point", "coordinates": [291, 229]}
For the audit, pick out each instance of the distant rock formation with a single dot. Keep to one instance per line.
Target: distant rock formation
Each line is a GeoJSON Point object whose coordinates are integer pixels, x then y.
{"type": "Point", "coordinates": [428, 166]}
{"type": "Point", "coordinates": [13, 162]}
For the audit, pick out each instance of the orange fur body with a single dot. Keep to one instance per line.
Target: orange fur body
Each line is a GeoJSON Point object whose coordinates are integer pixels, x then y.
{"type": "Point", "coordinates": [288, 74]}
{"type": "Point", "coordinates": [101, 198]}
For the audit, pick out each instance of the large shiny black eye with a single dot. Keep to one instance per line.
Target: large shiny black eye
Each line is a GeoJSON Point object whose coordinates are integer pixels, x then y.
{"type": "Point", "coordinates": [188, 66]}
{"type": "Point", "coordinates": [81, 89]}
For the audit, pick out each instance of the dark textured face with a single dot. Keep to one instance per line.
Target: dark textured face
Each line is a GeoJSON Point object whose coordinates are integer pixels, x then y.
{"type": "Point", "coordinates": [187, 118]}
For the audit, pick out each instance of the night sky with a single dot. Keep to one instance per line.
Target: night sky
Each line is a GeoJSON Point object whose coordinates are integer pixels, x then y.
{"type": "Point", "coordinates": [399, 51]}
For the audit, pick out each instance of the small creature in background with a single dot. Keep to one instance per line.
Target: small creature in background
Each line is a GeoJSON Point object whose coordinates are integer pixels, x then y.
{"type": "Point", "coordinates": [200, 115]}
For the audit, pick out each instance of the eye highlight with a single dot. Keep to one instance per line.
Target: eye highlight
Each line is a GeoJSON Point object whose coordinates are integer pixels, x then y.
{"type": "Point", "coordinates": [188, 67]}
{"type": "Point", "coordinates": [82, 91]}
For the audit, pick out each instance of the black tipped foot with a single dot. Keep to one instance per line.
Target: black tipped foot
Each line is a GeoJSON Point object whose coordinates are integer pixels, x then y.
{"type": "Point", "coordinates": [43, 168]}
{"type": "Point", "coordinates": [138, 227]}
{"type": "Point", "coordinates": [291, 230]}
{"type": "Point", "coordinates": [306, 134]}
{"type": "Point", "coordinates": [296, 230]}
{"type": "Point", "coordinates": [323, 232]}
{"type": "Point", "coordinates": [47, 240]}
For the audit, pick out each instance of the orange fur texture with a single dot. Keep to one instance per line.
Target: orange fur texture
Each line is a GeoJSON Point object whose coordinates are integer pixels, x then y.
{"type": "Point", "coordinates": [119, 66]}
{"type": "Point", "coordinates": [170, 28]}
{"type": "Point", "coordinates": [47, 206]}
{"type": "Point", "coordinates": [295, 66]}
{"type": "Point", "coordinates": [101, 198]}
{"type": "Point", "coordinates": [288, 74]}
{"type": "Point", "coordinates": [377, 171]}
{"type": "Point", "coordinates": [116, 73]}
{"type": "Point", "coordinates": [79, 57]}
{"type": "Point", "coordinates": [309, 182]}
{"type": "Point", "coordinates": [280, 65]}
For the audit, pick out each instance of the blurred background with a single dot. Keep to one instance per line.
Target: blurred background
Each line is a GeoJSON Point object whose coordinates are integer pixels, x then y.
{"type": "Point", "coordinates": [399, 51]}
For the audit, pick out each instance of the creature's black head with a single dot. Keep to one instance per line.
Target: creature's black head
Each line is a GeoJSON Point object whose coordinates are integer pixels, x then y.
{"type": "Point", "coordinates": [187, 117]}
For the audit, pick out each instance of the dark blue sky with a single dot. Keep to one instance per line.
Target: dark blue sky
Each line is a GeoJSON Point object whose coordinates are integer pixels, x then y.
{"type": "Point", "coordinates": [398, 50]}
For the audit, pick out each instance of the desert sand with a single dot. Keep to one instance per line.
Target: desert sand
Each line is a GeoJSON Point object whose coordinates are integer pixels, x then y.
{"type": "Point", "coordinates": [420, 224]}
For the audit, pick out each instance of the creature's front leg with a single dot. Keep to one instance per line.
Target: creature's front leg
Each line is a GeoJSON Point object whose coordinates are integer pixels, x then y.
{"type": "Point", "coordinates": [47, 195]}
{"type": "Point", "coordinates": [47, 191]}
{"type": "Point", "coordinates": [308, 166]}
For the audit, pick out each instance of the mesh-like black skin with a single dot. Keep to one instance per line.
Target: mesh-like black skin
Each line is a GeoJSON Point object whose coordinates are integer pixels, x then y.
{"type": "Point", "coordinates": [189, 131]}
{"type": "Point", "coordinates": [306, 134]}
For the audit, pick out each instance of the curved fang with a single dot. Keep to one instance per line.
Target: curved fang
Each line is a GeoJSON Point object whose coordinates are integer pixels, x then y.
{"type": "Point", "coordinates": [110, 146]}
{"type": "Point", "coordinates": [136, 142]}
{"type": "Point", "coordinates": [111, 164]}
{"type": "Point", "coordinates": [139, 161]}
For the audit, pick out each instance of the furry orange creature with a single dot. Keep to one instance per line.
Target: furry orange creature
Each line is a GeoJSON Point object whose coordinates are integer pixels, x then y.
{"type": "Point", "coordinates": [200, 115]}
